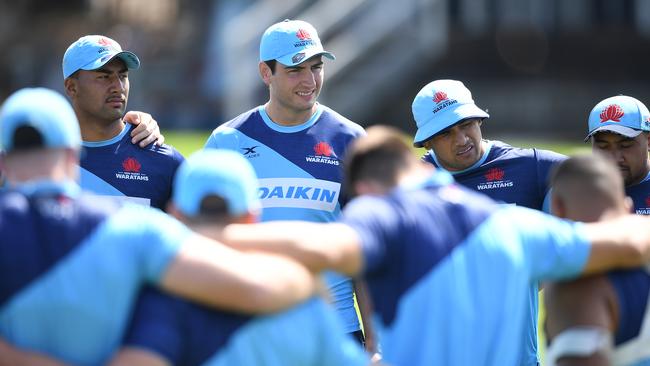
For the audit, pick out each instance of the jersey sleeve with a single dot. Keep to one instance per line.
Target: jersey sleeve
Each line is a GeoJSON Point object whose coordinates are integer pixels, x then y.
{"type": "Point", "coordinates": [376, 224]}
{"type": "Point", "coordinates": [223, 137]}
{"type": "Point", "coordinates": [145, 239]}
{"type": "Point", "coordinates": [546, 161]}
{"type": "Point", "coordinates": [552, 248]}
{"type": "Point", "coordinates": [156, 325]}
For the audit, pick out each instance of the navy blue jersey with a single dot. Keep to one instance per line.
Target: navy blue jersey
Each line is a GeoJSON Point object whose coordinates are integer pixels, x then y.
{"type": "Point", "coordinates": [116, 167]}
{"type": "Point", "coordinates": [439, 257]}
{"type": "Point", "coordinates": [640, 195]}
{"type": "Point", "coordinates": [509, 174]}
{"type": "Point", "coordinates": [71, 267]}
{"type": "Point", "coordinates": [300, 174]}
{"type": "Point", "coordinates": [189, 334]}
{"type": "Point", "coordinates": [632, 336]}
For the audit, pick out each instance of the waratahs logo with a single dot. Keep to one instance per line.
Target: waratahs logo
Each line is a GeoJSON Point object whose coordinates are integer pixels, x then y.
{"type": "Point", "coordinates": [304, 39]}
{"type": "Point", "coordinates": [323, 148]}
{"type": "Point", "coordinates": [303, 34]}
{"type": "Point", "coordinates": [495, 178]}
{"type": "Point", "coordinates": [494, 174]}
{"type": "Point", "coordinates": [323, 153]}
{"type": "Point", "coordinates": [107, 44]}
{"type": "Point", "coordinates": [439, 97]}
{"type": "Point", "coordinates": [131, 170]}
{"type": "Point", "coordinates": [643, 210]}
{"type": "Point", "coordinates": [612, 112]}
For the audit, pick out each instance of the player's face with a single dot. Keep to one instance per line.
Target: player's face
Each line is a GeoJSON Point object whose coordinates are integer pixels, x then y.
{"type": "Point", "coordinates": [295, 89]}
{"type": "Point", "coordinates": [103, 93]}
{"type": "Point", "coordinates": [459, 147]}
{"type": "Point", "coordinates": [630, 154]}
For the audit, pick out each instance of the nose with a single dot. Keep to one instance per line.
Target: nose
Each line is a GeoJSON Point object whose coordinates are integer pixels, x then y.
{"type": "Point", "coordinates": [458, 136]}
{"type": "Point", "coordinates": [118, 85]}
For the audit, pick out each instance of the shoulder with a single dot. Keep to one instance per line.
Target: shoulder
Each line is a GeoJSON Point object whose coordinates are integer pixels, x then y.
{"type": "Point", "coordinates": [344, 124]}
{"type": "Point", "coordinates": [237, 122]}
{"type": "Point", "coordinates": [167, 152]}
{"type": "Point", "coordinates": [539, 155]}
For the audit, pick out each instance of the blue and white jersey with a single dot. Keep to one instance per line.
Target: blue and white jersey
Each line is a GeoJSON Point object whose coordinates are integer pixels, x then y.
{"type": "Point", "coordinates": [71, 268]}
{"type": "Point", "coordinates": [300, 174]}
{"type": "Point", "coordinates": [508, 174]}
{"type": "Point", "coordinates": [516, 176]}
{"type": "Point", "coordinates": [118, 168]}
{"type": "Point", "coordinates": [640, 195]}
{"type": "Point", "coordinates": [632, 336]}
{"type": "Point", "coordinates": [457, 267]}
{"type": "Point", "coordinates": [188, 334]}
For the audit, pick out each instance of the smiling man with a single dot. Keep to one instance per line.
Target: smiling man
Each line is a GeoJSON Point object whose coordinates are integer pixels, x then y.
{"type": "Point", "coordinates": [619, 128]}
{"type": "Point", "coordinates": [96, 79]}
{"type": "Point", "coordinates": [449, 127]}
{"type": "Point", "coordinates": [295, 144]}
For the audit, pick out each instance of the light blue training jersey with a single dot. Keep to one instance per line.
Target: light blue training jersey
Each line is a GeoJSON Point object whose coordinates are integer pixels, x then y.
{"type": "Point", "coordinates": [449, 271]}
{"type": "Point", "coordinates": [71, 267]}
{"type": "Point", "coordinates": [300, 174]}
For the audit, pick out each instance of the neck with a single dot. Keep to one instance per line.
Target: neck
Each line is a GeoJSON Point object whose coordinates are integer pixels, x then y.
{"type": "Point", "coordinates": [288, 117]}
{"type": "Point", "coordinates": [97, 129]}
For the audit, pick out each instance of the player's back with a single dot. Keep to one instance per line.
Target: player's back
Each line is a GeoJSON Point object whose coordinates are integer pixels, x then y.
{"type": "Point", "coordinates": [188, 334]}
{"type": "Point", "coordinates": [70, 267]}
{"type": "Point", "coordinates": [458, 268]}
{"type": "Point", "coordinates": [118, 168]}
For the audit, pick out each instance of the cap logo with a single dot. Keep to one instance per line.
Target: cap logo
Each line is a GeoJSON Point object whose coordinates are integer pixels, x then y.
{"type": "Point", "coordinates": [303, 34]}
{"type": "Point", "coordinates": [494, 174]}
{"type": "Point", "coordinates": [439, 97]}
{"type": "Point", "coordinates": [323, 148]}
{"type": "Point", "coordinates": [612, 112]}
{"type": "Point", "coordinates": [298, 57]}
{"type": "Point", "coordinates": [131, 165]}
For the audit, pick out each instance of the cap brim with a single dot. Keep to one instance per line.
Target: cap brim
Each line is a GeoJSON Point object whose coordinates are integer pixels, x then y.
{"type": "Point", "coordinates": [430, 128]}
{"type": "Point", "coordinates": [618, 129]}
{"type": "Point", "coordinates": [130, 59]}
{"type": "Point", "coordinates": [297, 58]}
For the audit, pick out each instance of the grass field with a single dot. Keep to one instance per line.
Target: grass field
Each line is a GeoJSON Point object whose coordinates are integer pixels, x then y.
{"type": "Point", "coordinates": [188, 142]}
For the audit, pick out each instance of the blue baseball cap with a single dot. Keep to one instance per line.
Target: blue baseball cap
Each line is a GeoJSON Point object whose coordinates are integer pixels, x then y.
{"type": "Point", "coordinates": [47, 111]}
{"type": "Point", "coordinates": [92, 52]}
{"type": "Point", "coordinates": [216, 172]}
{"type": "Point", "coordinates": [440, 105]}
{"type": "Point", "coordinates": [621, 114]}
{"type": "Point", "coordinates": [291, 42]}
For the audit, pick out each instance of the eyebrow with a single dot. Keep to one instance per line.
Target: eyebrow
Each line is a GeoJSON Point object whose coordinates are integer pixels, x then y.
{"type": "Point", "coordinates": [107, 71]}
{"type": "Point", "coordinates": [302, 66]}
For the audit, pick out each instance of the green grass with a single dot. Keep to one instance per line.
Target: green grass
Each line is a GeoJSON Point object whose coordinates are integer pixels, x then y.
{"type": "Point", "coordinates": [186, 142]}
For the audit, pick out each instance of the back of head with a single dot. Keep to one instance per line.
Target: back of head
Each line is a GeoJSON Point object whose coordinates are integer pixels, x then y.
{"type": "Point", "coordinates": [440, 105]}
{"type": "Point", "coordinates": [377, 158]}
{"type": "Point", "coordinates": [587, 187]}
{"type": "Point", "coordinates": [215, 184]}
{"type": "Point", "coordinates": [38, 118]}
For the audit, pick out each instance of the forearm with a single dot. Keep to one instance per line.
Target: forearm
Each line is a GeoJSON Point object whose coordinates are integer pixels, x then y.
{"type": "Point", "coordinates": [12, 356]}
{"type": "Point", "coordinates": [317, 246]}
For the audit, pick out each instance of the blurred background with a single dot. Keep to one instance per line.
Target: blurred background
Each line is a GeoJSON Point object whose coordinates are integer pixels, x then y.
{"type": "Point", "coordinates": [538, 66]}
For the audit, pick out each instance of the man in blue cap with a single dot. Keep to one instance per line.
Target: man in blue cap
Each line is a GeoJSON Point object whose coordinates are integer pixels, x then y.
{"type": "Point", "coordinates": [619, 128]}
{"type": "Point", "coordinates": [295, 144]}
{"type": "Point", "coordinates": [165, 330]}
{"type": "Point", "coordinates": [449, 127]}
{"type": "Point", "coordinates": [96, 79]}
{"type": "Point", "coordinates": [71, 265]}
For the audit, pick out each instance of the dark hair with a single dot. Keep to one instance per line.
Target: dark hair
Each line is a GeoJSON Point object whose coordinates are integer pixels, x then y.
{"type": "Point", "coordinates": [213, 209]}
{"type": "Point", "coordinates": [377, 157]}
{"type": "Point", "coordinates": [271, 64]}
{"type": "Point", "coordinates": [27, 138]}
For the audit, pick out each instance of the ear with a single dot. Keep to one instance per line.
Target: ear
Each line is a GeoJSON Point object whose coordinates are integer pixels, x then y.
{"type": "Point", "coordinates": [628, 204]}
{"type": "Point", "coordinates": [558, 208]}
{"type": "Point", "coordinates": [265, 73]}
{"type": "Point", "coordinates": [247, 218]}
{"type": "Point", "coordinates": [70, 86]}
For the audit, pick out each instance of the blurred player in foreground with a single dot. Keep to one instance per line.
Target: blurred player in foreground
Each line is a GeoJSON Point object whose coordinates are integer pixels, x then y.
{"type": "Point", "coordinates": [442, 259]}
{"type": "Point", "coordinates": [168, 331]}
{"type": "Point", "coordinates": [601, 319]}
{"type": "Point", "coordinates": [72, 265]}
